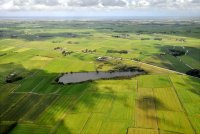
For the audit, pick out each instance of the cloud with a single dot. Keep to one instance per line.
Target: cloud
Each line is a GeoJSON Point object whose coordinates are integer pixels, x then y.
{"type": "Point", "coordinates": [65, 5]}
{"type": "Point", "coordinates": [143, 3]}
{"type": "Point", "coordinates": [93, 3]}
{"type": "Point", "coordinates": [119, 3]}
{"type": "Point", "coordinates": [83, 3]}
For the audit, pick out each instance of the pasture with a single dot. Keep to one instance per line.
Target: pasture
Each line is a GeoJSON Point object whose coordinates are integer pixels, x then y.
{"type": "Point", "coordinates": [160, 102]}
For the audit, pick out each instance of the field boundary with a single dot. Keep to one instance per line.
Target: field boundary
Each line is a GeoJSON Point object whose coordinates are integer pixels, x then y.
{"type": "Point", "coordinates": [184, 110]}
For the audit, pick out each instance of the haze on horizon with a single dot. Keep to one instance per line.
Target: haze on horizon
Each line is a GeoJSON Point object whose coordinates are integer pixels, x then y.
{"type": "Point", "coordinates": [87, 8]}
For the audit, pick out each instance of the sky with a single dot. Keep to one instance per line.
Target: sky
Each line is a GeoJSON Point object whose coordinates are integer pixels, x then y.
{"type": "Point", "coordinates": [73, 8]}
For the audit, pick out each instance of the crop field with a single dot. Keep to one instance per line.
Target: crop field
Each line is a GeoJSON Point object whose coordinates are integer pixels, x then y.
{"type": "Point", "coordinates": [163, 101]}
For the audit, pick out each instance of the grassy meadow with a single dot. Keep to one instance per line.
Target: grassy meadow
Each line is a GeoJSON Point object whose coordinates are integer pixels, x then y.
{"type": "Point", "coordinates": [164, 101]}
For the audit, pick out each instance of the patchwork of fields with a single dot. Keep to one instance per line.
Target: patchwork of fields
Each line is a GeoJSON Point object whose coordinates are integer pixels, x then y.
{"type": "Point", "coordinates": [160, 102]}
{"type": "Point", "coordinates": [104, 106]}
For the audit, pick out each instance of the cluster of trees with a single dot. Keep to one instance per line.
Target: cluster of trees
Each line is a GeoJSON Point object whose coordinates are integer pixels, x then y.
{"type": "Point", "coordinates": [58, 48]}
{"type": "Point", "coordinates": [89, 51]}
{"type": "Point", "coordinates": [150, 39]}
{"type": "Point", "coordinates": [10, 34]}
{"type": "Point", "coordinates": [121, 36]}
{"type": "Point", "coordinates": [48, 35]}
{"type": "Point", "coordinates": [56, 41]}
{"type": "Point", "coordinates": [157, 38]}
{"type": "Point", "coordinates": [13, 77]}
{"type": "Point", "coordinates": [181, 40]}
{"type": "Point", "coordinates": [64, 52]}
{"type": "Point", "coordinates": [99, 66]}
{"type": "Point", "coordinates": [126, 68]}
{"type": "Point", "coordinates": [175, 52]}
{"type": "Point", "coordinates": [2, 54]}
{"type": "Point", "coordinates": [145, 39]}
{"type": "Point", "coordinates": [194, 72]}
{"type": "Point", "coordinates": [71, 42]}
{"type": "Point", "coordinates": [135, 59]}
{"type": "Point", "coordinates": [117, 51]}
{"type": "Point", "coordinates": [7, 128]}
{"type": "Point", "coordinates": [152, 32]}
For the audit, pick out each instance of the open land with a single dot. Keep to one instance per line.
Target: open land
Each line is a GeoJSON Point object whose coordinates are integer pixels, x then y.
{"type": "Point", "coordinates": [163, 101]}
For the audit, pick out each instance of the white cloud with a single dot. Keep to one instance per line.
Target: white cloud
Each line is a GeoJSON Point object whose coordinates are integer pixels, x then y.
{"type": "Point", "coordinates": [102, 5]}
{"type": "Point", "coordinates": [143, 3]}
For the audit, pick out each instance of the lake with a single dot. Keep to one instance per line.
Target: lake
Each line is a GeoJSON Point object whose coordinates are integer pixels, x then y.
{"type": "Point", "coordinates": [86, 76]}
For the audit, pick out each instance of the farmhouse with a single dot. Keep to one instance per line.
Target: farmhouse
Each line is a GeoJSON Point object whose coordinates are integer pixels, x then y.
{"type": "Point", "coordinates": [14, 36]}
{"type": "Point", "coordinates": [13, 77]}
{"type": "Point", "coordinates": [102, 58]}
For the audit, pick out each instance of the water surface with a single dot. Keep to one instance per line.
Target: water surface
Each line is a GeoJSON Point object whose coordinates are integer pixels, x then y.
{"type": "Point", "coordinates": [86, 76]}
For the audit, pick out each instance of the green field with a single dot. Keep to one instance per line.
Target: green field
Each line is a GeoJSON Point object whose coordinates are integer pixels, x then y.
{"type": "Point", "coordinates": [164, 101]}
